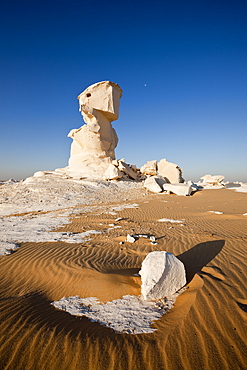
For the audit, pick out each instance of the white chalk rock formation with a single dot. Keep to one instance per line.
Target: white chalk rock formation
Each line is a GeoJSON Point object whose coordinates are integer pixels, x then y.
{"type": "Point", "coordinates": [149, 168]}
{"type": "Point", "coordinates": [154, 184]}
{"type": "Point", "coordinates": [125, 168]}
{"type": "Point", "coordinates": [215, 180]}
{"type": "Point", "coordinates": [170, 171]}
{"type": "Point", "coordinates": [112, 173]}
{"type": "Point", "coordinates": [162, 275]}
{"type": "Point", "coordinates": [92, 149]}
{"type": "Point", "coordinates": [179, 189]}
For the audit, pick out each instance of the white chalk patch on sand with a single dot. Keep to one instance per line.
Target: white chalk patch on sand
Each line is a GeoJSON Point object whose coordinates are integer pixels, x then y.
{"type": "Point", "coordinates": [7, 247]}
{"type": "Point", "coordinates": [124, 206]}
{"type": "Point", "coordinates": [130, 314]}
{"type": "Point", "coordinates": [36, 229]}
{"type": "Point", "coordinates": [52, 192]}
{"type": "Point", "coordinates": [58, 197]}
{"type": "Point", "coordinates": [216, 212]}
{"type": "Point", "coordinates": [245, 214]}
{"type": "Point", "coordinates": [170, 220]}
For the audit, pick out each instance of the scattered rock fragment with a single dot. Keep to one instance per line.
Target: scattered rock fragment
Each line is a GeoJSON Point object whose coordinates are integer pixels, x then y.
{"type": "Point", "coordinates": [152, 184]}
{"type": "Point", "coordinates": [112, 173]}
{"type": "Point", "coordinates": [178, 189]}
{"type": "Point", "coordinates": [130, 238]}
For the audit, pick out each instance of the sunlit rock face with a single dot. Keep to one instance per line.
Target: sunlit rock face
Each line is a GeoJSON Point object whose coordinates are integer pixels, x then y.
{"type": "Point", "coordinates": [162, 275]}
{"type": "Point", "coordinates": [149, 168]}
{"type": "Point", "coordinates": [154, 184]}
{"type": "Point", "coordinates": [179, 189]}
{"type": "Point", "coordinates": [170, 171]}
{"type": "Point", "coordinates": [92, 149]}
{"type": "Point", "coordinates": [215, 180]}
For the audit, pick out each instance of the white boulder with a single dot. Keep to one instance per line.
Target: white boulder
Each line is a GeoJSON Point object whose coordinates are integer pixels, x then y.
{"type": "Point", "coordinates": [152, 184]}
{"type": "Point", "coordinates": [112, 173]}
{"type": "Point", "coordinates": [212, 180]}
{"type": "Point", "coordinates": [162, 275]}
{"type": "Point", "coordinates": [179, 189]}
{"type": "Point", "coordinates": [149, 168]}
{"type": "Point", "coordinates": [170, 171]}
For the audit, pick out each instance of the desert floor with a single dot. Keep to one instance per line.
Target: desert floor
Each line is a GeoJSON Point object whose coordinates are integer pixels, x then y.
{"type": "Point", "coordinates": [205, 329]}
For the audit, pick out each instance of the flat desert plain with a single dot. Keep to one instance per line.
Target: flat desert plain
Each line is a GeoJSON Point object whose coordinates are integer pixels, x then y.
{"type": "Point", "coordinates": [204, 330]}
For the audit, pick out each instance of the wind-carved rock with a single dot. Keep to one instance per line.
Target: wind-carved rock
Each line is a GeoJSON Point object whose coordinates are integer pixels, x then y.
{"type": "Point", "coordinates": [92, 149]}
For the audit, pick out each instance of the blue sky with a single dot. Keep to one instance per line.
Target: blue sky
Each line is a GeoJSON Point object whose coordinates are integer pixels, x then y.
{"type": "Point", "coordinates": [182, 66]}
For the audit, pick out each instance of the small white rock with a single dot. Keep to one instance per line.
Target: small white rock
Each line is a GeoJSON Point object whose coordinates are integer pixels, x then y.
{"type": "Point", "coordinates": [130, 238]}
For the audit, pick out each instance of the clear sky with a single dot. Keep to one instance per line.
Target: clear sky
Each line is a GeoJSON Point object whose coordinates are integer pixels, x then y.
{"type": "Point", "coordinates": [182, 66]}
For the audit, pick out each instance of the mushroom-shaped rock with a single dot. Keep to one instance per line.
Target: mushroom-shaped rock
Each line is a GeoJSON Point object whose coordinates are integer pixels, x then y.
{"type": "Point", "coordinates": [170, 171]}
{"type": "Point", "coordinates": [92, 149]}
{"type": "Point", "coordinates": [162, 275]}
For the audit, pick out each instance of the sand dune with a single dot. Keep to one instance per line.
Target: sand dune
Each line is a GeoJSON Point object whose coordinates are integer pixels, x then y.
{"type": "Point", "coordinates": [204, 330]}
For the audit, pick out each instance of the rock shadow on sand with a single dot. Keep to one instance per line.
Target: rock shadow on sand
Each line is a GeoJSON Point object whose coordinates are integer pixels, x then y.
{"type": "Point", "coordinates": [199, 256]}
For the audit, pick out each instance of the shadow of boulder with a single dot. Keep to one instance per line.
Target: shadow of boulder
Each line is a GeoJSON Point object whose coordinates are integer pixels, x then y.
{"type": "Point", "coordinates": [199, 256]}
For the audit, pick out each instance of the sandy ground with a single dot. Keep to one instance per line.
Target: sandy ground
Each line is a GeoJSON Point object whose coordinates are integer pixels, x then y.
{"type": "Point", "coordinates": [205, 329]}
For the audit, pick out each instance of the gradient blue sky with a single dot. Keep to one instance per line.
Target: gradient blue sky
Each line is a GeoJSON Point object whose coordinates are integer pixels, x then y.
{"type": "Point", "coordinates": [182, 66]}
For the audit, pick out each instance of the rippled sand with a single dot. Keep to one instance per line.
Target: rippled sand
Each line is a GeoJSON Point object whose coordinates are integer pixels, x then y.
{"type": "Point", "coordinates": [204, 330]}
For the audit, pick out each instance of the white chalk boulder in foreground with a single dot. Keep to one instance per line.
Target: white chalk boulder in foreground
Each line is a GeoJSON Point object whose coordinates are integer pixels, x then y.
{"type": "Point", "coordinates": [162, 275]}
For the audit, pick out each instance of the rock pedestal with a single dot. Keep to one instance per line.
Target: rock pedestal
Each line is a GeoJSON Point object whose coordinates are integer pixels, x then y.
{"type": "Point", "coordinates": [92, 149]}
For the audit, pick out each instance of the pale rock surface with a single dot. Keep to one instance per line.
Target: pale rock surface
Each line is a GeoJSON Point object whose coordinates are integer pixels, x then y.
{"type": "Point", "coordinates": [170, 171]}
{"type": "Point", "coordinates": [130, 238]}
{"type": "Point", "coordinates": [179, 189]}
{"type": "Point", "coordinates": [39, 174]}
{"type": "Point", "coordinates": [149, 168]}
{"type": "Point", "coordinates": [193, 185]}
{"type": "Point", "coordinates": [112, 173]}
{"type": "Point", "coordinates": [162, 275]}
{"type": "Point", "coordinates": [152, 184]}
{"type": "Point", "coordinates": [125, 168]}
{"type": "Point", "coordinates": [92, 149]}
{"type": "Point", "coordinates": [215, 180]}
